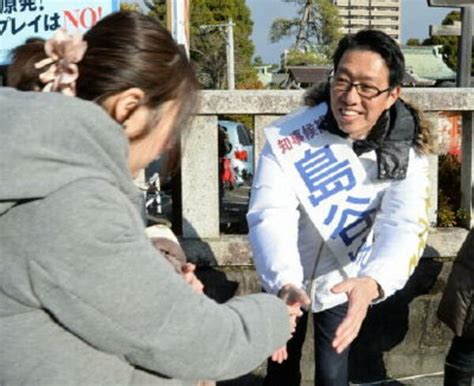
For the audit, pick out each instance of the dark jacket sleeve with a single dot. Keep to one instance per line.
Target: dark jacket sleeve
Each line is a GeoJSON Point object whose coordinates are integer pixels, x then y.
{"type": "Point", "coordinates": [96, 272]}
{"type": "Point", "coordinates": [456, 308]}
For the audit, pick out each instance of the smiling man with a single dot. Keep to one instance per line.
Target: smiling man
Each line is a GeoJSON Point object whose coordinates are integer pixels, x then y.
{"type": "Point", "coordinates": [338, 211]}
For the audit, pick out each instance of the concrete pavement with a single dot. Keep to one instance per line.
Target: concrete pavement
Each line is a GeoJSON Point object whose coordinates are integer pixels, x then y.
{"type": "Point", "coordinates": [420, 380]}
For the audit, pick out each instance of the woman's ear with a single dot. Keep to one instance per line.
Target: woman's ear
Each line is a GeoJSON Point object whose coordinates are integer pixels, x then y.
{"type": "Point", "coordinates": [122, 105]}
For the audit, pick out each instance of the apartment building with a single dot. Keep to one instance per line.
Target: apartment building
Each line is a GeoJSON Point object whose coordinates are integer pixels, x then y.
{"type": "Point", "coordinates": [376, 14]}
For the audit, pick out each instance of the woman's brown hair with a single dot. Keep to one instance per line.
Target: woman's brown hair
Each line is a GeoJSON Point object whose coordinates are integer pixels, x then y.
{"type": "Point", "coordinates": [128, 49]}
{"type": "Point", "coordinates": [21, 73]}
{"type": "Point", "coordinates": [124, 50]}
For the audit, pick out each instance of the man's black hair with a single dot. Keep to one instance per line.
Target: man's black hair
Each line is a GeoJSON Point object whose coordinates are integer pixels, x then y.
{"type": "Point", "coordinates": [380, 43]}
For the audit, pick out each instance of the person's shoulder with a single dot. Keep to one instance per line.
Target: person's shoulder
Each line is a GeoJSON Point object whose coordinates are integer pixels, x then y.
{"type": "Point", "coordinates": [33, 96]}
{"type": "Point", "coordinates": [418, 158]}
{"type": "Point", "coordinates": [47, 104]}
{"type": "Point", "coordinates": [301, 115]}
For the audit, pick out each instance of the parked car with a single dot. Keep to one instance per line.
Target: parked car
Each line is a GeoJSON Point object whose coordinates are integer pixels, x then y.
{"type": "Point", "coordinates": [241, 154]}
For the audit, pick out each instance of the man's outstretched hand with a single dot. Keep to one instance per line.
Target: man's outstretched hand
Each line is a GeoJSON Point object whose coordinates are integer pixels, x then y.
{"type": "Point", "coordinates": [360, 293]}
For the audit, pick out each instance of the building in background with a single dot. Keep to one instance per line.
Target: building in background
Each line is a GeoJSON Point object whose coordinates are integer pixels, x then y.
{"type": "Point", "coordinates": [383, 15]}
{"type": "Point", "coordinates": [264, 73]}
{"type": "Point", "coordinates": [424, 68]}
{"type": "Point", "coordinates": [425, 63]}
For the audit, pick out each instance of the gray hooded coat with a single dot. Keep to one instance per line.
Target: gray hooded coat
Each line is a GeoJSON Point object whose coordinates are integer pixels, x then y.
{"type": "Point", "coordinates": [84, 299]}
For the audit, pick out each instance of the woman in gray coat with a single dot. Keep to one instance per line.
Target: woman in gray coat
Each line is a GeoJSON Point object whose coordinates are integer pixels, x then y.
{"type": "Point", "coordinates": [84, 300]}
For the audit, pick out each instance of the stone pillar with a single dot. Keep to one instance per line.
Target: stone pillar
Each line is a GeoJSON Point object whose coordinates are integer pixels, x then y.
{"type": "Point", "coordinates": [200, 179]}
{"type": "Point", "coordinates": [467, 167]}
{"type": "Point", "coordinates": [433, 209]}
{"type": "Point", "coordinates": [433, 160]}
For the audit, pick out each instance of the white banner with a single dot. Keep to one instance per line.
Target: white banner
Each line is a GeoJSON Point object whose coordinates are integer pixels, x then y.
{"type": "Point", "coordinates": [329, 181]}
{"type": "Point", "coordinates": [23, 19]}
{"type": "Point", "coordinates": [180, 22]}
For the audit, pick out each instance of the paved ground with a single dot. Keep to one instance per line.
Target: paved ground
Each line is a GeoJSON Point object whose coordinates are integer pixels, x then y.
{"type": "Point", "coordinates": [234, 209]}
{"type": "Point", "coordinates": [436, 380]}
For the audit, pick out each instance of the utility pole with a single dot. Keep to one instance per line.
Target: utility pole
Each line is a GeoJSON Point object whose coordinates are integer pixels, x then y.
{"type": "Point", "coordinates": [229, 44]}
{"type": "Point", "coordinates": [230, 55]}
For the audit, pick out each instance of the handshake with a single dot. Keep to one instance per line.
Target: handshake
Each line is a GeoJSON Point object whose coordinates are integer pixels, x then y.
{"type": "Point", "coordinates": [295, 299]}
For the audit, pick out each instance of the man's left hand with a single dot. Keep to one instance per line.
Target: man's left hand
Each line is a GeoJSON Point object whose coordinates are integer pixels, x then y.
{"type": "Point", "coordinates": [360, 294]}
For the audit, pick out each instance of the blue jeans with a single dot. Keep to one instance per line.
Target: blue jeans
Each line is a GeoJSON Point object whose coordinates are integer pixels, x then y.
{"type": "Point", "coordinates": [331, 369]}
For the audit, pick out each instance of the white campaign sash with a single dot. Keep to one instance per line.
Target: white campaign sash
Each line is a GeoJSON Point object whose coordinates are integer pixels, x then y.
{"type": "Point", "coordinates": [328, 179]}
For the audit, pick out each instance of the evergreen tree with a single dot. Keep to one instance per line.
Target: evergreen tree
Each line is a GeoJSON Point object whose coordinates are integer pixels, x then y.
{"type": "Point", "coordinates": [258, 61]}
{"type": "Point", "coordinates": [308, 58]}
{"type": "Point", "coordinates": [129, 7]}
{"type": "Point", "coordinates": [413, 42]}
{"type": "Point", "coordinates": [208, 44]}
{"type": "Point", "coordinates": [157, 9]}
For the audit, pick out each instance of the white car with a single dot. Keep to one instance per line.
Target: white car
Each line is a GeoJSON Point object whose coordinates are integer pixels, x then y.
{"type": "Point", "coordinates": [241, 155]}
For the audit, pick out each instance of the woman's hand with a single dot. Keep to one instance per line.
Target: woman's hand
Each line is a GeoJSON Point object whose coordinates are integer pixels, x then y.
{"type": "Point", "coordinates": [294, 312]}
{"type": "Point", "coordinates": [293, 295]}
{"type": "Point", "coordinates": [187, 272]}
{"type": "Point", "coordinates": [280, 355]}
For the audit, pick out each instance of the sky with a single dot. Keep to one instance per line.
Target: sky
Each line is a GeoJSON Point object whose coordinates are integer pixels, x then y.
{"type": "Point", "coordinates": [416, 19]}
{"type": "Point", "coordinates": [416, 16]}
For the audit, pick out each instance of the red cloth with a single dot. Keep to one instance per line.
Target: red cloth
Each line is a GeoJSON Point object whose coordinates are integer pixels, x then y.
{"type": "Point", "coordinates": [226, 171]}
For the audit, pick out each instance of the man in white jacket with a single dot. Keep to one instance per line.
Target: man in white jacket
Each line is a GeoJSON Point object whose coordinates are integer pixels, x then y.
{"type": "Point", "coordinates": [338, 211]}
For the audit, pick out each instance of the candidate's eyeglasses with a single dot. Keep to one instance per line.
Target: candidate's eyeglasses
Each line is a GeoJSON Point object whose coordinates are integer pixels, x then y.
{"type": "Point", "coordinates": [364, 90]}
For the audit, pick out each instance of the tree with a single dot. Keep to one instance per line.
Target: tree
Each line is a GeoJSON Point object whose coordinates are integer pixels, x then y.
{"type": "Point", "coordinates": [157, 9]}
{"type": "Point", "coordinates": [208, 44]}
{"type": "Point", "coordinates": [316, 29]}
{"type": "Point", "coordinates": [258, 61]}
{"type": "Point", "coordinates": [413, 42]}
{"type": "Point", "coordinates": [450, 43]}
{"type": "Point", "coordinates": [309, 58]}
{"type": "Point", "coordinates": [129, 7]}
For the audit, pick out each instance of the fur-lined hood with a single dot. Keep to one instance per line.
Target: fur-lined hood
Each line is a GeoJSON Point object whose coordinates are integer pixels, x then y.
{"type": "Point", "coordinates": [423, 141]}
{"type": "Point", "coordinates": [397, 130]}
